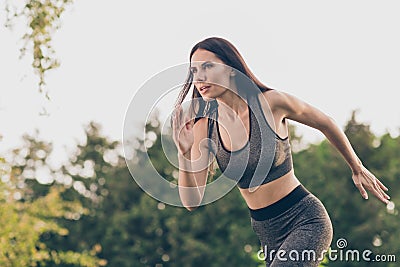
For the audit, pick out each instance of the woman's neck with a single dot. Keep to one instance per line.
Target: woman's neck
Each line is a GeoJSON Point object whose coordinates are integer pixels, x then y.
{"type": "Point", "coordinates": [230, 102]}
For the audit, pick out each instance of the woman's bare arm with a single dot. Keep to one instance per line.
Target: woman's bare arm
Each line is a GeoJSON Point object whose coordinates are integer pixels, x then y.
{"type": "Point", "coordinates": [193, 168]}
{"type": "Point", "coordinates": [295, 109]}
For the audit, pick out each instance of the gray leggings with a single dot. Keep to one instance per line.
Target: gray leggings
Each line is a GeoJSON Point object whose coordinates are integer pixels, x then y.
{"type": "Point", "coordinates": [299, 235]}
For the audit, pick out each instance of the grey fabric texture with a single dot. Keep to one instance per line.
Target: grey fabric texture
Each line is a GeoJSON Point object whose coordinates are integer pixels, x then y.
{"type": "Point", "coordinates": [299, 236]}
{"type": "Point", "coordinates": [244, 165]}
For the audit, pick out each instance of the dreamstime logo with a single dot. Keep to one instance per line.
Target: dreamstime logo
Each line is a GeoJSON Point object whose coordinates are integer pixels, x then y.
{"type": "Point", "coordinates": [339, 254]}
{"type": "Point", "coordinates": [161, 91]}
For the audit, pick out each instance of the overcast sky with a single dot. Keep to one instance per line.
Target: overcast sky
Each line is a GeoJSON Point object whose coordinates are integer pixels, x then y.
{"type": "Point", "coordinates": [337, 55]}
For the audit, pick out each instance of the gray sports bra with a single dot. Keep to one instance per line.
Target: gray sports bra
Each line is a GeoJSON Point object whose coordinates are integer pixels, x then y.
{"type": "Point", "coordinates": [264, 158]}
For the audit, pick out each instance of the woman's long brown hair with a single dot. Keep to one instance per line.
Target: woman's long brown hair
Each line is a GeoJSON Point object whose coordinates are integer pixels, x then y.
{"type": "Point", "coordinates": [230, 56]}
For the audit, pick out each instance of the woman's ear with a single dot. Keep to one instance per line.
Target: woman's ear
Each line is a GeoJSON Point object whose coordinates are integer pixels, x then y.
{"type": "Point", "coordinates": [233, 72]}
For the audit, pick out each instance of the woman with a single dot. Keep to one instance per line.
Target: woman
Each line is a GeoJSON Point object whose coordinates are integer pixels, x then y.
{"type": "Point", "coordinates": [287, 218]}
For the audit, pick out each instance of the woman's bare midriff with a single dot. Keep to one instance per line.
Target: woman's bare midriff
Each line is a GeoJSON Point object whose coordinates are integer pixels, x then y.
{"type": "Point", "coordinates": [271, 192]}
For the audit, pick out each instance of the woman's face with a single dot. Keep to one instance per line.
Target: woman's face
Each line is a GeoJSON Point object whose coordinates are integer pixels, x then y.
{"type": "Point", "coordinates": [211, 76]}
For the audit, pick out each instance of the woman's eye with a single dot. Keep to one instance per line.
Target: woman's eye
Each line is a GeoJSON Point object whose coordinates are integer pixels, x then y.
{"type": "Point", "coordinates": [205, 66]}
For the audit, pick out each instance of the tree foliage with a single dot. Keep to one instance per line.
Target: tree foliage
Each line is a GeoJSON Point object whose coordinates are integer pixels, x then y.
{"type": "Point", "coordinates": [29, 214]}
{"type": "Point", "coordinates": [42, 18]}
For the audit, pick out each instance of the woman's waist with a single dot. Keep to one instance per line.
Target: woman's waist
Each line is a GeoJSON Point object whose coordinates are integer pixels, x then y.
{"type": "Point", "coordinates": [269, 193]}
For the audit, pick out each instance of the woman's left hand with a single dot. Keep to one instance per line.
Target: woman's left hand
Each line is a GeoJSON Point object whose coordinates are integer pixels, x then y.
{"type": "Point", "coordinates": [364, 178]}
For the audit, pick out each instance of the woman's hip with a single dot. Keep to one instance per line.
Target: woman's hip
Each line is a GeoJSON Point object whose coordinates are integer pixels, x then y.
{"type": "Point", "coordinates": [308, 214]}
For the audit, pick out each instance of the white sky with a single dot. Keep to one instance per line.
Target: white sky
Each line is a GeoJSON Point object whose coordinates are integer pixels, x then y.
{"type": "Point", "coordinates": [337, 55]}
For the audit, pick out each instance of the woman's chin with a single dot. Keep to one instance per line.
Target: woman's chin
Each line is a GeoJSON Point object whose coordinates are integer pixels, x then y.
{"type": "Point", "coordinates": [208, 98]}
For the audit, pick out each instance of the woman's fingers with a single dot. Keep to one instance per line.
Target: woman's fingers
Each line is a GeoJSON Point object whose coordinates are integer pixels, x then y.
{"type": "Point", "coordinates": [188, 123]}
{"type": "Point", "coordinates": [182, 126]}
{"type": "Point", "coordinates": [369, 181]}
{"type": "Point", "coordinates": [183, 120]}
{"type": "Point", "coordinates": [378, 188]}
{"type": "Point", "coordinates": [382, 185]}
{"type": "Point", "coordinates": [380, 196]}
{"type": "Point", "coordinates": [381, 189]}
{"type": "Point", "coordinates": [377, 191]}
{"type": "Point", "coordinates": [362, 190]}
{"type": "Point", "coordinates": [385, 195]}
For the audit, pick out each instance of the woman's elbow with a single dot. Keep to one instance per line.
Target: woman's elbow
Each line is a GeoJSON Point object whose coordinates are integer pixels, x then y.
{"type": "Point", "coordinates": [189, 208]}
{"type": "Point", "coordinates": [191, 201]}
{"type": "Point", "coordinates": [327, 124]}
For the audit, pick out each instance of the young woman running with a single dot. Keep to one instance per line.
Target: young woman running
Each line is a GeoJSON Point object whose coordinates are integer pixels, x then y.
{"type": "Point", "coordinates": [287, 218]}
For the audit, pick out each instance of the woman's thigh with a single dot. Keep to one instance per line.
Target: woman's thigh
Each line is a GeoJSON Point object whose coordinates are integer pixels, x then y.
{"type": "Point", "coordinates": [298, 236]}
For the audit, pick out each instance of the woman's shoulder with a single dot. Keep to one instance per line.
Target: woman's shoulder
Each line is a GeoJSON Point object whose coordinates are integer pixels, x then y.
{"type": "Point", "coordinates": [281, 103]}
{"type": "Point", "coordinates": [274, 94]}
{"type": "Point", "coordinates": [276, 98]}
{"type": "Point", "coordinates": [288, 105]}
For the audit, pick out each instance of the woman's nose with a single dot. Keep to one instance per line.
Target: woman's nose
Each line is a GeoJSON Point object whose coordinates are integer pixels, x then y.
{"type": "Point", "coordinates": [199, 76]}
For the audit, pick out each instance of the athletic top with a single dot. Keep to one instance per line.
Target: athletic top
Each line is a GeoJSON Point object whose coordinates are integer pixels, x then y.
{"type": "Point", "coordinates": [264, 158]}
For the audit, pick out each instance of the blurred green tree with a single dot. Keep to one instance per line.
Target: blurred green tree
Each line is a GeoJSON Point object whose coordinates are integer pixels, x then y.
{"type": "Point", "coordinates": [28, 214]}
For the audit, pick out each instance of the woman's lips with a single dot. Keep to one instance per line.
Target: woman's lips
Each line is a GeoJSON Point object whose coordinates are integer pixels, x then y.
{"type": "Point", "coordinates": [204, 89]}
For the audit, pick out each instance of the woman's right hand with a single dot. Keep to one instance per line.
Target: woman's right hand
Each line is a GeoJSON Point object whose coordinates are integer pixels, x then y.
{"type": "Point", "coordinates": [364, 178]}
{"type": "Point", "coordinates": [182, 128]}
